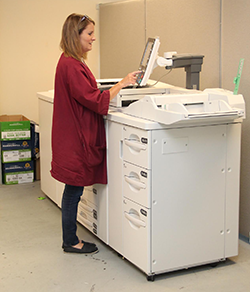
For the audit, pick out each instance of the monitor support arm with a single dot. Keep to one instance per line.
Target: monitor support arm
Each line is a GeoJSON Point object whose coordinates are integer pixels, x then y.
{"type": "Point", "coordinates": [191, 63]}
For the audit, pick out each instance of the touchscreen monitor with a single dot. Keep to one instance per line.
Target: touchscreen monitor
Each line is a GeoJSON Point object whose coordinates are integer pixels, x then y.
{"type": "Point", "coordinates": [148, 60]}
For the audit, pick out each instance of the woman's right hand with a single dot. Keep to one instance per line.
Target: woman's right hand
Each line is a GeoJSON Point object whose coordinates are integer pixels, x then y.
{"type": "Point", "coordinates": [130, 79]}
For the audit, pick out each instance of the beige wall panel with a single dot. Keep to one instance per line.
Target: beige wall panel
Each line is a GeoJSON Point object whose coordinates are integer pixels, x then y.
{"type": "Point", "coordinates": [191, 26]}
{"type": "Point", "coordinates": [236, 44]}
{"type": "Point", "coordinates": [122, 37]}
{"type": "Point", "coordinates": [30, 35]}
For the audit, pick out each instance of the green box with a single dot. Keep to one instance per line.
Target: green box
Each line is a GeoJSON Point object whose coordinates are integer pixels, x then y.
{"type": "Point", "coordinates": [13, 178]}
{"type": "Point", "coordinates": [14, 127]}
{"type": "Point", "coordinates": [18, 172]}
{"type": "Point", "coordinates": [18, 155]}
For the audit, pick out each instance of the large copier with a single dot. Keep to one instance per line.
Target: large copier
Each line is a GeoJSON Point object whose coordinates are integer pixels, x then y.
{"type": "Point", "coordinates": [172, 198]}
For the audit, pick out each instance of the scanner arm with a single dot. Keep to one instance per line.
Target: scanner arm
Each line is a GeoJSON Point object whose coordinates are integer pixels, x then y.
{"type": "Point", "coordinates": [191, 63]}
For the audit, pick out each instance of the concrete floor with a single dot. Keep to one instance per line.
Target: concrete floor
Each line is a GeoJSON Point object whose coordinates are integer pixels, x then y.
{"type": "Point", "coordinates": [31, 258]}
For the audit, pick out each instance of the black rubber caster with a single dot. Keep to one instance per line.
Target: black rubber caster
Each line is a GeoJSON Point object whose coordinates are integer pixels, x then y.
{"type": "Point", "coordinates": [151, 278]}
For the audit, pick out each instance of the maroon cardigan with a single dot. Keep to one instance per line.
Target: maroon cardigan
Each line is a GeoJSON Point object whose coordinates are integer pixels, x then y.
{"type": "Point", "coordinates": [78, 132]}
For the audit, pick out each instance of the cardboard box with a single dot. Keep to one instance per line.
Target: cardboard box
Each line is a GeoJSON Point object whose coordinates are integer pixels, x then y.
{"type": "Point", "coordinates": [14, 127]}
{"type": "Point", "coordinates": [37, 173]}
{"type": "Point", "coordinates": [34, 131]}
{"type": "Point", "coordinates": [17, 173]}
{"type": "Point", "coordinates": [1, 177]}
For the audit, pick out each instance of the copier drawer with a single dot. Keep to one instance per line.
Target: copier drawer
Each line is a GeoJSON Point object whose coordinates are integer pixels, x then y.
{"type": "Point", "coordinates": [94, 204]}
{"type": "Point", "coordinates": [87, 220]}
{"type": "Point", "coordinates": [89, 195]}
{"type": "Point", "coordinates": [137, 184]}
{"type": "Point", "coordinates": [95, 193]}
{"type": "Point", "coordinates": [136, 146]}
{"type": "Point", "coordinates": [88, 207]}
{"type": "Point", "coordinates": [136, 222]}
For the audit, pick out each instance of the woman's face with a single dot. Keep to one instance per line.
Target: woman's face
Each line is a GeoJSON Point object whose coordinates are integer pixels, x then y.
{"type": "Point", "coordinates": [87, 37]}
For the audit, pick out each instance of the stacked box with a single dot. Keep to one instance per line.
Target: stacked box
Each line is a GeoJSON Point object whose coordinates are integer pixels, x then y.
{"type": "Point", "coordinates": [14, 127]}
{"type": "Point", "coordinates": [18, 172]}
{"type": "Point", "coordinates": [34, 136]}
{"type": "Point", "coordinates": [35, 154]}
{"type": "Point", "coordinates": [16, 153]}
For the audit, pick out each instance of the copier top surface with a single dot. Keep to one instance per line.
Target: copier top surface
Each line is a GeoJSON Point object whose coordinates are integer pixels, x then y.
{"type": "Point", "coordinates": [189, 107]}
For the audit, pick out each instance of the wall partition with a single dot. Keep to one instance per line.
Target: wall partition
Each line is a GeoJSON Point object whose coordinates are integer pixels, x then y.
{"type": "Point", "coordinates": [184, 26]}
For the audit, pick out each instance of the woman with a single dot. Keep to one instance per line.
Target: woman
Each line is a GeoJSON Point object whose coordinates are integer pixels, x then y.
{"type": "Point", "coordinates": [78, 133]}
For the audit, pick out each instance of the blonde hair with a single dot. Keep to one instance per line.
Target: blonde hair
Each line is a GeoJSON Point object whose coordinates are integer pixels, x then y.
{"type": "Point", "coordinates": [70, 41]}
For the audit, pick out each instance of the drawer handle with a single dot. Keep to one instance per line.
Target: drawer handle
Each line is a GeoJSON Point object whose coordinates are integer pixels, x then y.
{"type": "Point", "coordinates": [135, 221]}
{"type": "Point", "coordinates": [87, 208]}
{"type": "Point", "coordinates": [136, 145]}
{"type": "Point", "coordinates": [86, 222]}
{"type": "Point", "coordinates": [135, 183]}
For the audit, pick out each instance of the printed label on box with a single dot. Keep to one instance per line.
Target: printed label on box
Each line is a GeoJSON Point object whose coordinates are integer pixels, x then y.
{"type": "Point", "coordinates": [18, 166]}
{"type": "Point", "coordinates": [16, 144]}
{"type": "Point", "coordinates": [19, 177]}
{"type": "Point", "coordinates": [15, 135]}
{"type": "Point", "coordinates": [16, 155]}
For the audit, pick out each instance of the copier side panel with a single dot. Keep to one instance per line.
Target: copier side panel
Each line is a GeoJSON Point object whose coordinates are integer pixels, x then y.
{"type": "Point", "coordinates": [115, 166]}
{"type": "Point", "coordinates": [48, 184]}
{"type": "Point", "coordinates": [232, 189]}
{"type": "Point", "coordinates": [188, 196]}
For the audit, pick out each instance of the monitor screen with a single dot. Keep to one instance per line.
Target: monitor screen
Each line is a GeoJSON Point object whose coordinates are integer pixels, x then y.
{"type": "Point", "coordinates": [148, 60]}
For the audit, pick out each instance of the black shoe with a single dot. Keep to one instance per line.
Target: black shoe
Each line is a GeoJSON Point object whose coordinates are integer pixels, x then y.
{"type": "Point", "coordinates": [63, 245]}
{"type": "Point", "coordinates": [88, 248]}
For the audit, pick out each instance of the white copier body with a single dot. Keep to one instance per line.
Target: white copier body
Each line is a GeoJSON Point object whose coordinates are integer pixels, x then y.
{"type": "Point", "coordinates": [172, 198]}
